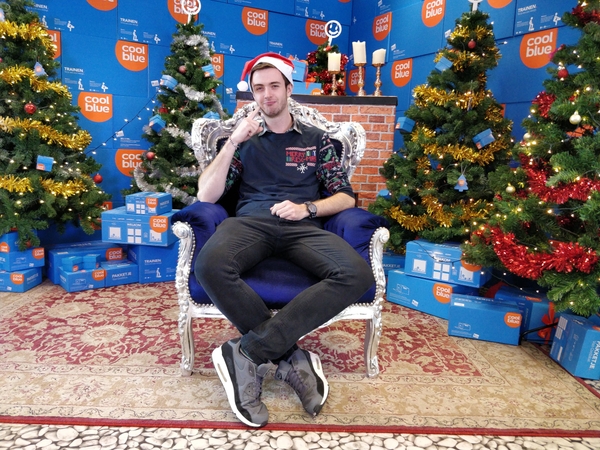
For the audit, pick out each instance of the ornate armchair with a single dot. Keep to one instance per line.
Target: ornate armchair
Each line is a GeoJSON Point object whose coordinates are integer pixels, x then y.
{"type": "Point", "coordinates": [277, 280]}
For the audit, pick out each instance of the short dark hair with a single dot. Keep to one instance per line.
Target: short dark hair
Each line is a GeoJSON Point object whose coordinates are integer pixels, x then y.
{"type": "Point", "coordinates": [266, 65]}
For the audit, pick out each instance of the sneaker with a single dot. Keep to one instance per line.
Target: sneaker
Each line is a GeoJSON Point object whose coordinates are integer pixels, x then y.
{"type": "Point", "coordinates": [242, 380]}
{"type": "Point", "coordinates": [303, 372]}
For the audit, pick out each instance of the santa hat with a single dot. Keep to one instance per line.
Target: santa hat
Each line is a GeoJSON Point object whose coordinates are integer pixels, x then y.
{"type": "Point", "coordinates": [281, 63]}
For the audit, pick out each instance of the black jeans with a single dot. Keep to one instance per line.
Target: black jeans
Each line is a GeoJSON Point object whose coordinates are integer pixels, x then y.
{"type": "Point", "coordinates": [240, 243]}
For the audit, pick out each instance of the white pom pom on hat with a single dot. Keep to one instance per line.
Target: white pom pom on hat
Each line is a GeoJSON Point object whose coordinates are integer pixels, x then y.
{"type": "Point", "coordinates": [281, 63]}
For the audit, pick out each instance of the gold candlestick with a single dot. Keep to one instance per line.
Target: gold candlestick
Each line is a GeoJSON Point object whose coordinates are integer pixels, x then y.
{"type": "Point", "coordinates": [334, 81]}
{"type": "Point", "coordinates": [377, 92]}
{"type": "Point", "coordinates": [361, 79]}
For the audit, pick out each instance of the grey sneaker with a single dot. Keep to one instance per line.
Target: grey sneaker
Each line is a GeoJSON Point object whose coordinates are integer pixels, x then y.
{"type": "Point", "coordinates": [242, 380]}
{"type": "Point", "coordinates": [304, 373]}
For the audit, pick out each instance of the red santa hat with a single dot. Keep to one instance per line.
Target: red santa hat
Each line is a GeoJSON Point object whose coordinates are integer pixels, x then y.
{"type": "Point", "coordinates": [281, 63]}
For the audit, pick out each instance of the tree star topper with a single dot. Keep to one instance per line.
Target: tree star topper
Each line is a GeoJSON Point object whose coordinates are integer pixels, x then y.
{"type": "Point", "coordinates": [191, 7]}
{"type": "Point", "coordinates": [475, 4]}
{"type": "Point", "coordinates": [333, 29]}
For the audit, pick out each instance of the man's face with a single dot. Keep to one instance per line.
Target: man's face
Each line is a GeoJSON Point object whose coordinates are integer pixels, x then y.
{"type": "Point", "coordinates": [270, 91]}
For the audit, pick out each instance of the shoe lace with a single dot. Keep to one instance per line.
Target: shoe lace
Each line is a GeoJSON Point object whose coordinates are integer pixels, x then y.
{"type": "Point", "coordinates": [254, 389]}
{"type": "Point", "coordinates": [294, 379]}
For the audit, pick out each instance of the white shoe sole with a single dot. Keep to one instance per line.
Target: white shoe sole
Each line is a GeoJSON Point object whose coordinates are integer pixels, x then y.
{"type": "Point", "coordinates": [223, 373]}
{"type": "Point", "coordinates": [316, 363]}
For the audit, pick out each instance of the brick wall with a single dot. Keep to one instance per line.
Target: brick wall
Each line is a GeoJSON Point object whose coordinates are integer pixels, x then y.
{"type": "Point", "coordinates": [377, 116]}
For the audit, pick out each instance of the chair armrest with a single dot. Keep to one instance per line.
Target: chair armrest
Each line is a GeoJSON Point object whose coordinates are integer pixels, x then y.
{"type": "Point", "coordinates": [203, 218]}
{"type": "Point", "coordinates": [356, 226]}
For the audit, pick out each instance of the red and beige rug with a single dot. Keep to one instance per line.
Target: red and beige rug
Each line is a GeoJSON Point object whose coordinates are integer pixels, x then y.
{"type": "Point", "coordinates": [111, 357]}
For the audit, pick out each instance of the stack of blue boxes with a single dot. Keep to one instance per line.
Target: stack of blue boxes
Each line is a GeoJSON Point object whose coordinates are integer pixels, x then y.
{"type": "Point", "coordinates": [19, 270]}
{"type": "Point", "coordinates": [436, 281]}
{"type": "Point", "coordinates": [144, 225]}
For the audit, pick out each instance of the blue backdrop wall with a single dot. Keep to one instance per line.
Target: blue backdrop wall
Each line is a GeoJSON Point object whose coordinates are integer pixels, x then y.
{"type": "Point", "coordinates": [112, 53]}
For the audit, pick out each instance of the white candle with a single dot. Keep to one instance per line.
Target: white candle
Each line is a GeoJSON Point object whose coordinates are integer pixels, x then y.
{"type": "Point", "coordinates": [379, 56]}
{"type": "Point", "coordinates": [360, 52]}
{"type": "Point", "coordinates": [333, 62]}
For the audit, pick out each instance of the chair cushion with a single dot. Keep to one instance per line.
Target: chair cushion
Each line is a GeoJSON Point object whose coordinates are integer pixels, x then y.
{"type": "Point", "coordinates": [275, 279]}
{"type": "Point", "coordinates": [290, 281]}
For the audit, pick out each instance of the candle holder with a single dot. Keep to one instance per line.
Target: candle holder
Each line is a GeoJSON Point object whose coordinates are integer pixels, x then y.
{"type": "Point", "coordinates": [361, 79]}
{"type": "Point", "coordinates": [334, 83]}
{"type": "Point", "coordinates": [377, 92]}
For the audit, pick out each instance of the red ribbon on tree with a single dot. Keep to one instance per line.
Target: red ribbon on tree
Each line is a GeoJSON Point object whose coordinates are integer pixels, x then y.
{"type": "Point", "coordinates": [537, 176]}
{"type": "Point", "coordinates": [544, 102]}
{"type": "Point", "coordinates": [565, 257]}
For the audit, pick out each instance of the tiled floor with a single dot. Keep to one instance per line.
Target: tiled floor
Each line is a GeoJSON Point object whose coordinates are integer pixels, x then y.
{"type": "Point", "coordinates": [36, 437]}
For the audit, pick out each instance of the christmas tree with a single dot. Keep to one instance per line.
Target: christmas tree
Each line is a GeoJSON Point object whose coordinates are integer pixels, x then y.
{"type": "Point", "coordinates": [187, 92]}
{"type": "Point", "coordinates": [45, 175]}
{"type": "Point", "coordinates": [547, 211]}
{"type": "Point", "coordinates": [454, 135]}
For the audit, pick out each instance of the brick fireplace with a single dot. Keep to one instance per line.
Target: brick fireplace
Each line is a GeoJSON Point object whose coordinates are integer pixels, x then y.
{"type": "Point", "coordinates": [376, 114]}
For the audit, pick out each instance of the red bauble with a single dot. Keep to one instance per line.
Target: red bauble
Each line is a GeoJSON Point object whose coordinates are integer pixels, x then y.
{"type": "Point", "coordinates": [563, 73]}
{"type": "Point", "coordinates": [150, 156]}
{"type": "Point", "coordinates": [472, 44]}
{"type": "Point", "coordinates": [182, 69]}
{"type": "Point", "coordinates": [163, 110]}
{"type": "Point", "coordinates": [30, 108]}
{"type": "Point", "coordinates": [97, 178]}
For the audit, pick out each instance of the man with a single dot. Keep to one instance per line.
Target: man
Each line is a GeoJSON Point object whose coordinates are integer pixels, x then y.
{"type": "Point", "coordinates": [283, 166]}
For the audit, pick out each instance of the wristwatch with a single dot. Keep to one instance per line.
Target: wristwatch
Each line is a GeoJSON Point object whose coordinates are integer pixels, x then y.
{"type": "Point", "coordinates": [312, 209]}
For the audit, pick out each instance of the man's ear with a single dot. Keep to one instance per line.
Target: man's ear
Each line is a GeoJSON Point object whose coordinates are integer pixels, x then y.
{"type": "Point", "coordinates": [289, 88]}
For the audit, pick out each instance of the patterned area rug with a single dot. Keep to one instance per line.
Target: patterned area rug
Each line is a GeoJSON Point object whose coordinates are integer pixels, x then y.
{"type": "Point", "coordinates": [111, 357]}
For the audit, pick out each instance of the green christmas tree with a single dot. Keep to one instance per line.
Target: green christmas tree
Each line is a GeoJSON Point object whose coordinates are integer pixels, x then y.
{"type": "Point", "coordinates": [187, 93]}
{"type": "Point", "coordinates": [437, 184]}
{"type": "Point", "coordinates": [45, 174]}
{"type": "Point", "coordinates": [547, 212]}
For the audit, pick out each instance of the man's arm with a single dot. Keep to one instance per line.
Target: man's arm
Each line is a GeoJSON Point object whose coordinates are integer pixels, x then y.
{"type": "Point", "coordinates": [211, 183]}
{"type": "Point", "coordinates": [325, 207]}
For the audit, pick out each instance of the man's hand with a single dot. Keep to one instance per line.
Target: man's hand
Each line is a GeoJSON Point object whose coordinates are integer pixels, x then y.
{"type": "Point", "coordinates": [247, 128]}
{"type": "Point", "coordinates": [289, 211]}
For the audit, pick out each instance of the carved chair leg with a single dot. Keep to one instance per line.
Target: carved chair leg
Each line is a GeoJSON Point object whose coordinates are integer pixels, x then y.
{"type": "Point", "coordinates": [372, 336]}
{"type": "Point", "coordinates": [187, 346]}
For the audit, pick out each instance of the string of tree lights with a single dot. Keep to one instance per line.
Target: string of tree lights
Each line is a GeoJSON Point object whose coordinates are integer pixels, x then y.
{"type": "Point", "coordinates": [545, 216]}
{"type": "Point", "coordinates": [45, 173]}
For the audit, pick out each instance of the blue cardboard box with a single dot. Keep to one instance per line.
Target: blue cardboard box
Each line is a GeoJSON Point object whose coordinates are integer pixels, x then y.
{"type": "Point", "coordinates": [149, 203]}
{"type": "Point", "coordinates": [405, 124]}
{"type": "Point", "coordinates": [91, 261]}
{"type": "Point", "coordinates": [484, 319]}
{"type": "Point", "coordinates": [443, 262]}
{"type": "Point", "coordinates": [428, 296]}
{"type": "Point", "coordinates": [137, 229]}
{"type": "Point", "coordinates": [107, 252]}
{"type": "Point", "coordinates": [20, 280]}
{"type": "Point", "coordinates": [483, 139]}
{"type": "Point", "coordinates": [392, 261]}
{"type": "Point", "coordinates": [300, 70]}
{"type": "Point", "coordinates": [72, 263]}
{"type": "Point", "coordinates": [82, 280]}
{"type": "Point", "coordinates": [307, 88]}
{"type": "Point", "coordinates": [15, 260]}
{"type": "Point", "coordinates": [120, 272]}
{"type": "Point", "coordinates": [155, 264]}
{"type": "Point", "coordinates": [576, 346]}
{"type": "Point", "coordinates": [537, 312]}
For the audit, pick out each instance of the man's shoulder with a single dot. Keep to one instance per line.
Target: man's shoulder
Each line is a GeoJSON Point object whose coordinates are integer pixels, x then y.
{"type": "Point", "coordinates": [309, 128]}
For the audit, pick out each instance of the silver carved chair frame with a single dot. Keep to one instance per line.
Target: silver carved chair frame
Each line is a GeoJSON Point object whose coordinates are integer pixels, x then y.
{"type": "Point", "coordinates": [207, 135]}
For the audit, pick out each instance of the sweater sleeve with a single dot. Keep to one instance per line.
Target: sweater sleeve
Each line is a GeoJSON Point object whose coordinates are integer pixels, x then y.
{"type": "Point", "coordinates": [330, 172]}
